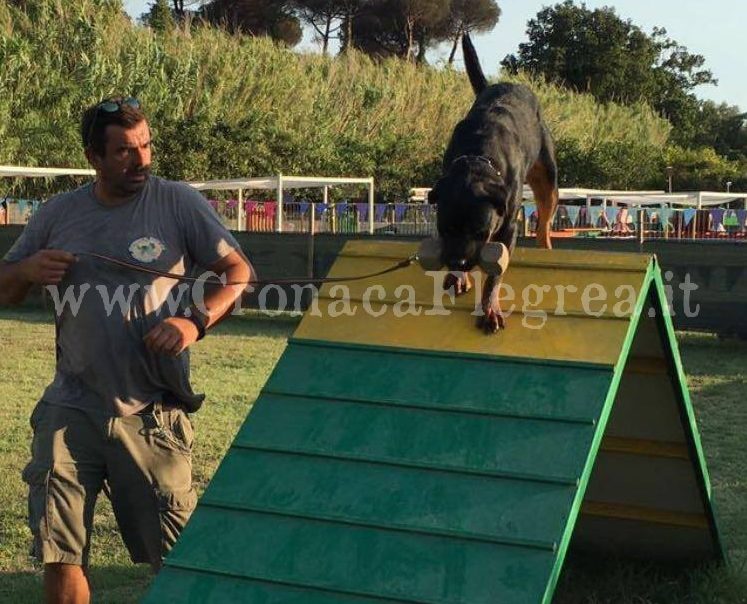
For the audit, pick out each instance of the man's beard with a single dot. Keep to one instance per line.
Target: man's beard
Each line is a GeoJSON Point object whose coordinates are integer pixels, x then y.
{"type": "Point", "coordinates": [130, 187]}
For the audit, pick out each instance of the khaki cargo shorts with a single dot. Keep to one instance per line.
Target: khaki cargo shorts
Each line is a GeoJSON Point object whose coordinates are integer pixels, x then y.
{"type": "Point", "coordinates": [142, 462]}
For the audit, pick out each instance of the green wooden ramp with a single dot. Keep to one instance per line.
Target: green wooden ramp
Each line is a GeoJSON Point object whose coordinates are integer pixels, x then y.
{"type": "Point", "coordinates": [413, 459]}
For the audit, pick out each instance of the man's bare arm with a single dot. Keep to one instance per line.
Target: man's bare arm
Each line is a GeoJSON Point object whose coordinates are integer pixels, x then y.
{"type": "Point", "coordinates": [175, 334]}
{"type": "Point", "coordinates": [219, 301]}
{"type": "Point", "coordinates": [46, 267]}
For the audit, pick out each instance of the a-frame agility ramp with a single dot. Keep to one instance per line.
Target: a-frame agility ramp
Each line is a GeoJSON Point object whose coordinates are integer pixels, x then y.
{"type": "Point", "coordinates": [417, 460]}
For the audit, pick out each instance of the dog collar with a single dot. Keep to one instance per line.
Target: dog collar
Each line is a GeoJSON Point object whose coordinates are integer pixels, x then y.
{"type": "Point", "coordinates": [481, 158]}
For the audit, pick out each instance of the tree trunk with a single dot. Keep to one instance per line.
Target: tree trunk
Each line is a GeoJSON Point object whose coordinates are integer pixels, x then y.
{"type": "Point", "coordinates": [325, 44]}
{"type": "Point", "coordinates": [348, 32]}
{"type": "Point", "coordinates": [454, 48]}
{"type": "Point", "coordinates": [410, 39]}
{"type": "Point", "coordinates": [422, 48]}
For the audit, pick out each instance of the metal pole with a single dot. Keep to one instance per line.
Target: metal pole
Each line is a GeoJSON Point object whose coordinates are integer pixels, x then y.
{"type": "Point", "coordinates": [241, 215]}
{"type": "Point", "coordinates": [279, 215]}
{"type": "Point", "coordinates": [640, 225]}
{"type": "Point", "coordinates": [697, 213]}
{"type": "Point", "coordinates": [588, 211]}
{"type": "Point", "coordinates": [310, 248]}
{"type": "Point", "coordinates": [604, 213]}
{"type": "Point", "coordinates": [680, 222]}
{"type": "Point", "coordinates": [371, 207]}
{"type": "Point", "coordinates": [333, 220]}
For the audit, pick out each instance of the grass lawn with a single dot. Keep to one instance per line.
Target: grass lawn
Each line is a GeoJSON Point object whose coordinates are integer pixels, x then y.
{"type": "Point", "coordinates": [233, 364]}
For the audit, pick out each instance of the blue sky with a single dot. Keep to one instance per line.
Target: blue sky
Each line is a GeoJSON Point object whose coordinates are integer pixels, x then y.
{"type": "Point", "coordinates": [714, 29]}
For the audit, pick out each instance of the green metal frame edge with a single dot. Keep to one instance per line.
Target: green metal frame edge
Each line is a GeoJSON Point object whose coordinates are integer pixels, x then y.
{"type": "Point", "coordinates": [685, 407]}
{"type": "Point", "coordinates": [599, 434]}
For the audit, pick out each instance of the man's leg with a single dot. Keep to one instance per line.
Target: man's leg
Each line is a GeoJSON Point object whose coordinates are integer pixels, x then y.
{"type": "Point", "coordinates": [150, 479]}
{"type": "Point", "coordinates": [65, 475]}
{"type": "Point", "coordinates": [66, 584]}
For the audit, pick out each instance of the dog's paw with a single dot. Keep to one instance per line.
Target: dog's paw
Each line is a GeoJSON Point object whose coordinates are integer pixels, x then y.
{"type": "Point", "coordinates": [491, 320]}
{"type": "Point", "coordinates": [458, 282]}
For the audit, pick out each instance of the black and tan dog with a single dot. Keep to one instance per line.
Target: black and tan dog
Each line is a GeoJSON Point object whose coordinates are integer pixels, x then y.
{"type": "Point", "coordinates": [501, 144]}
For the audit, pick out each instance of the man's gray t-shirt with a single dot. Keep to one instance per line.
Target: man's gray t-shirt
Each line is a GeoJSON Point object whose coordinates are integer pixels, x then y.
{"type": "Point", "coordinates": [103, 311]}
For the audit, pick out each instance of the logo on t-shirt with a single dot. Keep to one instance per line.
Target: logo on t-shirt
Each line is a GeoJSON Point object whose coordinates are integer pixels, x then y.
{"type": "Point", "coordinates": [147, 249]}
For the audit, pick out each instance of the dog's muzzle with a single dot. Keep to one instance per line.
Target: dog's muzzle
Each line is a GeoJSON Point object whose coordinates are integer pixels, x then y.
{"type": "Point", "coordinates": [494, 257]}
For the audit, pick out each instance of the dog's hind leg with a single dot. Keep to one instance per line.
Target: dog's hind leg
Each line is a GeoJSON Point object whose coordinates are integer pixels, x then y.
{"type": "Point", "coordinates": [543, 178]}
{"type": "Point", "coordinates": [547, 200]}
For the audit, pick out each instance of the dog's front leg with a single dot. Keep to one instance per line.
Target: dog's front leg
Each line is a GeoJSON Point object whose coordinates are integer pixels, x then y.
{"type": "Point", "coordinates": [491, 320]}
{"type": "Point", "coordinates": [459, 281]}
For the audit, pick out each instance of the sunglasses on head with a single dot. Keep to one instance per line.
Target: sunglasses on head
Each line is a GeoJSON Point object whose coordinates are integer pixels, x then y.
{"type": "Point", "coordinates": [114, 105]}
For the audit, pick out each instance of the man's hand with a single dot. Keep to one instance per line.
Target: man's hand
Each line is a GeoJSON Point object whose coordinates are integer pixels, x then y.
{"type": "Point", "coordinates": [171, 336]}
{"type": "Point", "coordinates": [47, 267]}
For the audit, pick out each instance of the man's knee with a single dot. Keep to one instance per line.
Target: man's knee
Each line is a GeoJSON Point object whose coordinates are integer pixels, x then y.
{"type": "Point", "coordinates": [67, 570]}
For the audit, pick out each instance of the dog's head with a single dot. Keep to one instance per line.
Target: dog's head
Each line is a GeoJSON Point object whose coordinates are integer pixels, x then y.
{"type": "Point", "coordinates": [472, 200]}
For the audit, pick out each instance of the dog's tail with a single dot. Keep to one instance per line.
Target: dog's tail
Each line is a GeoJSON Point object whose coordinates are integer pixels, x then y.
{"type": "Point", "coordinates": [472, 63]}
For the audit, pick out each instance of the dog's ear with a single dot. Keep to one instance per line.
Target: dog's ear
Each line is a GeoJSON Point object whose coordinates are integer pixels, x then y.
{"type": "Point", "coordinates": [494, 188]}
{"type": "Point", "coordinates": [498, 192]}
{"type": "Point", "coordinates": [506, 196]}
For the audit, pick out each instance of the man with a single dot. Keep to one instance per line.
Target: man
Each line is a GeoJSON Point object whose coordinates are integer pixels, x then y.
{"type": "Point", "coordinates": [115, 415]}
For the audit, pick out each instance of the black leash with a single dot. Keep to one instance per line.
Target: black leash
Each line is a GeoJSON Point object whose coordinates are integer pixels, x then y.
{"type": "Point", "coordinates": [215, 281]}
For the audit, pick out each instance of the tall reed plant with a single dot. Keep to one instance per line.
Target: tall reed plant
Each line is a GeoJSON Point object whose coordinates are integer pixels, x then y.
{"type": "Point", "coordinates": [229, 106]}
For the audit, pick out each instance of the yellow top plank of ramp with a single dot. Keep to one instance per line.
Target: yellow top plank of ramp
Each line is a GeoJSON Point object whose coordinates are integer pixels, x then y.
{"type": "Point", "coordinates": [582, 301]}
